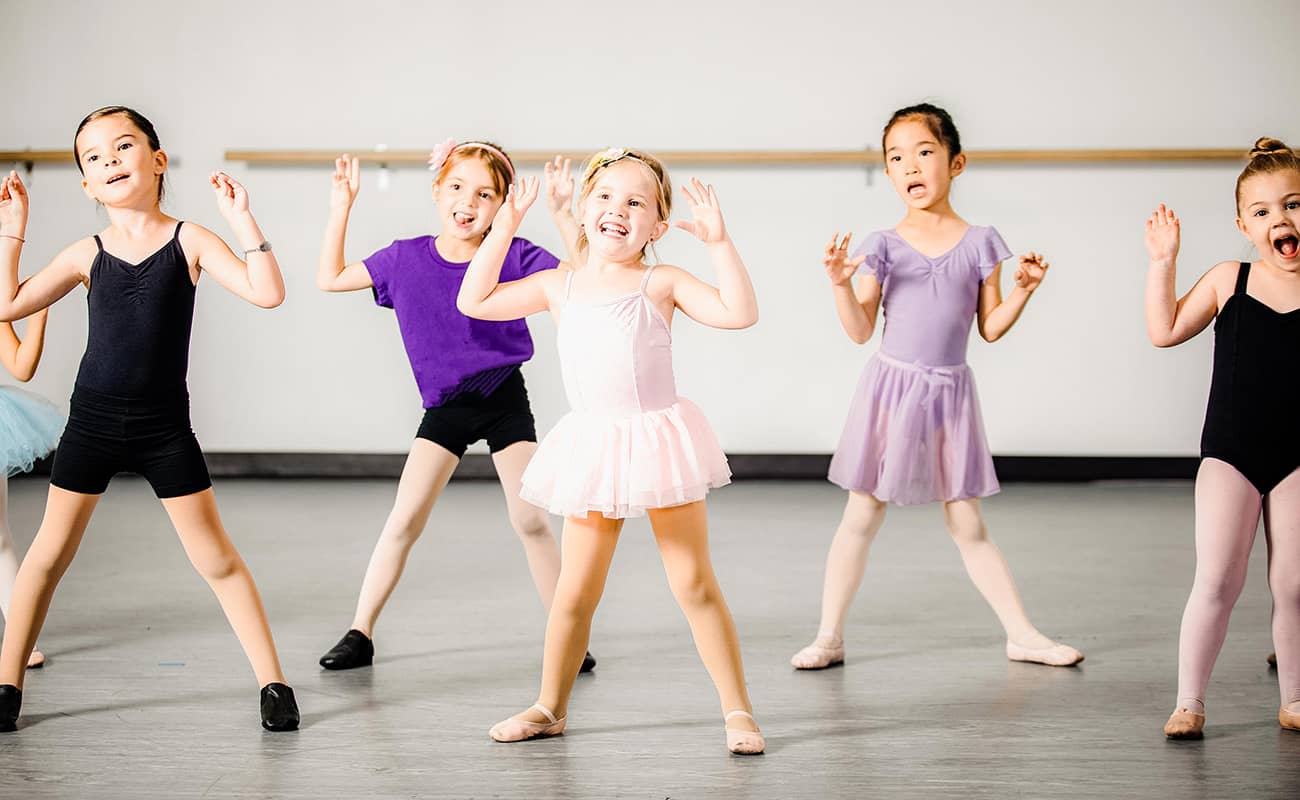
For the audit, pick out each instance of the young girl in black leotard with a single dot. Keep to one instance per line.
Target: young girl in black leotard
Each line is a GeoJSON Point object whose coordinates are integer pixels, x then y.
{"type": "Point", "coordinates": [130, 408]}
{"type": "Point", "coordinates": [1250, 447]}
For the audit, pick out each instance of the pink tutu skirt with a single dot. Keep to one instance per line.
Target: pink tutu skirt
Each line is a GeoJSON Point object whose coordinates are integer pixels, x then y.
{"type": "Point", "coordinates": [914, 435]}
{"type": "Point", "coordinates": [622, 466]}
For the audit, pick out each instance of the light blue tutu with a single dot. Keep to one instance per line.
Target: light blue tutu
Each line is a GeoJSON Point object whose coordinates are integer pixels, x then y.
{"type": "Point", "coordinates": [30, 427]}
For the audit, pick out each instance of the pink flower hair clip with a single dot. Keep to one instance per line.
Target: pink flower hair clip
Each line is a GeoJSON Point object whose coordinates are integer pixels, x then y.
{"type": "Point", "coordinates": [438, 156]}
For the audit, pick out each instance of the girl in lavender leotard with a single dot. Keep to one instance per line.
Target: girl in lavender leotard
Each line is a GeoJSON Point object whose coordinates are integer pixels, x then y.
{"type": "Point", "coordinates": [914, 433]}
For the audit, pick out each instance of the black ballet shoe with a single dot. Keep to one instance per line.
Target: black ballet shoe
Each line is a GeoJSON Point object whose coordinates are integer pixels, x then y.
{"type": "Point", "coordinates": [279, 709]}
{"type": "Point", "coordinates": [588, 663]}
{"type": "Point", "coordinates": [354, 650]}
{"type": "Point", "coordinates": [11, 702]}
{"type": "Point", "coordinates": [1272, 660]}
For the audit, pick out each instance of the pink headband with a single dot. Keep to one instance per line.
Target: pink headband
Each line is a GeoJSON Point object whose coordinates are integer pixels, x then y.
{"type": "Point", "coordinates": [441, 152]}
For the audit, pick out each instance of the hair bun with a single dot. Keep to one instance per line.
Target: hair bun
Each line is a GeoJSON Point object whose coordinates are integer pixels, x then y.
{"type": "Point", "coordinates": [1264, 146]}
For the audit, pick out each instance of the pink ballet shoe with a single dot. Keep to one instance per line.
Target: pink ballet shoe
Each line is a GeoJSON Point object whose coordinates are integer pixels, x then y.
{"type": "Point", "coordinates": [818, 656]}
{"type": "Point", "coordinates": [518, 730]}
{"type": "Point", "coordinates": [1058, 655]}
{"type": "Point", "coordinates": [1186, 724]}
{"type": "Point", "coordinates": [1288, 719]}
{"type": "Point", "coordinates": [743, 742]}
{"type": "Point", "coordinates": [36, 660]}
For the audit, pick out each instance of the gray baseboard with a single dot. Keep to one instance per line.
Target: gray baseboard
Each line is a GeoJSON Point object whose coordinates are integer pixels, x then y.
{"type": "Point", "coordinates": [744, 466]}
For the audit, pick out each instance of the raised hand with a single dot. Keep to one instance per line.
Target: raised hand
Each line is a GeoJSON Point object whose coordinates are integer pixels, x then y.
{"type": "Point", "coordinates": [1162, 234]}
{"type": "Point", "coordinates": [13, 204]}
{"type": "Point", "coordinates": [839, 267]}
{"type": "Point", "coordinates": [232, 198]}
{"type": "Point", "coordinates": [347, 181]}
{"type": "Point", "coordinates": [559, 185]}
{"type": "Point", "coordinates": [707, 226]}
{"type": "Point", "coordinates": [519, 198]}
{"type": "Point", "coordinates": [1032, 270]}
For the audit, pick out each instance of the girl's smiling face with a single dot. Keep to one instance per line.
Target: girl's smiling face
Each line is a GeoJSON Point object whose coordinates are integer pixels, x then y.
{"type": "Point", "coordinates": [117, 164]}
{"type": "Point", "coordinates": [621, 213]}
{"type": "Point", "coordinates": [467, 199]}
{"type": "Point", "coordinates": [1269, 216]}
{"type": "Point", "coordinates": [919, 165]}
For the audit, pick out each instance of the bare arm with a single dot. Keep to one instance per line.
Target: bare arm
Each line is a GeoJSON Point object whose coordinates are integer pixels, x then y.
{"type": "Point", "coordinates": [996, 314]}
{"type": "Point", "coordinates": [59, 277]}
{"type": "Point", "coordinates": [857, 309]}
{"type": "Point", "coordinates": [732, 304]}
{"type": "Point", "coordinates": [1171, 321]}
{"type": "Point", "coordinates": [559, 199]}
{"type": "Point", "coordinates": [482, 295]}
{"type": "Point", "coordinates": [20, 357]}
{"type": "Point", "coordinates": [258, 280]}
{"type": "Point", "coordinates": [333, 274]}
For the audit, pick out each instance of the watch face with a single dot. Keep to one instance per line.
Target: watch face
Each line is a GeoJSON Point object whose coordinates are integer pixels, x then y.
{"type": "Point", "coordinates": [265, 247]}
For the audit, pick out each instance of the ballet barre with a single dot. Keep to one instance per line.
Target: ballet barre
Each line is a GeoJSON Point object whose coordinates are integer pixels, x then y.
{"type": "Point", "coordinates": [755, 157]}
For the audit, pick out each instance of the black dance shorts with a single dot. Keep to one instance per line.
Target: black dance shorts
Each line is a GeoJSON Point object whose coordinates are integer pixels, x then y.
{"type": "Point", "coordinates": [150, 437]}
{"type": "Point", "coordinates": [502, 418]}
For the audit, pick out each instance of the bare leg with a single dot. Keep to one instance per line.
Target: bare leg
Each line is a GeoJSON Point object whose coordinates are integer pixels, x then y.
{"type": "Point", "coordinates": [845, 564]}
{"type": "Point", "coordinates": [530, 522]}
{"type": "Point", "coordinates": [66, 516]}
{"type": "Point", "coordinates": [210, 550]}
{"type": "Point", "coordinates": [428, 468]}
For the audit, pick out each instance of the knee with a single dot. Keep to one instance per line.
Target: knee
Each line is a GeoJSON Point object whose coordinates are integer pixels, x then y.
{"type": "Point", "coordinates": [967, 533]}
{"type": "Point", "coordinates": [695, 587]}
{"type": "Point", "coordinates": [531, 524]}
{"type": "Point", "coordinates": [572, 607]}
{"type": "Point", "coordinates": [1219, 587]}
{"type": "Point", "coordinates": [219, 565]}
{"type": "Point", "coordinates": [1285, 589]}
{"type": "Point", "coordinates": [403, 528]}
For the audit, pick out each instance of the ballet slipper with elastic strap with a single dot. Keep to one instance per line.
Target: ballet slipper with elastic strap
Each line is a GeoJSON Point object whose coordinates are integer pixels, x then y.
{"type": "Point", "coordinates": [518, 730]}
{"type": "Point", "coordinates": [1058, 655]}
{"type": "Point", "coordinates": [818, 656]}
{"type": "Point", "coordinates": [1185, 724]}
{"type": "Point", "coordinates": [36, 660]}
{"type": "Point", "coordinates": [743, 742]}
{"type": "Point", "coordinates": [1288, 719]}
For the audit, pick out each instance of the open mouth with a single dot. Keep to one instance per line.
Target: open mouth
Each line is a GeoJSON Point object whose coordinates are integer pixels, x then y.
{"type": "Point", "coordinates": [916, 189]}
{"type": "Point", "coordinates": [613, 229]}
{"type": "Point", "coordinates": [117, 178]}
{"type": "Point", "coordinates": [1286, 246]}
{"type": "Point", "coordinates": [463, 218]}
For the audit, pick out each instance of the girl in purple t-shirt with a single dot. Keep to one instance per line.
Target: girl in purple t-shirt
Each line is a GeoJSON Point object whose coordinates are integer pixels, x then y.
{"type": "Point", "coordinates": [914, 433]}
{"type": "Point", "coordinates": [467, 370]}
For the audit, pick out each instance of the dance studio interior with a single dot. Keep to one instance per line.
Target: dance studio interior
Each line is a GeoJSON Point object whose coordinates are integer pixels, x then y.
{"type": "Point", "coordinates": [841, 400]}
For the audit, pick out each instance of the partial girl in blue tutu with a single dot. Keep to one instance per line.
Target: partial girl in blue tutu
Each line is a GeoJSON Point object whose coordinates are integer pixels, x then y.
{"type": "Point", "coordinates": [30, 427]}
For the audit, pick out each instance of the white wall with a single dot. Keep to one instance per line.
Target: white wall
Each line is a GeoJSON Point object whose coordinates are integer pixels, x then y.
{"type": "Point", "coordinates": [327, 372]}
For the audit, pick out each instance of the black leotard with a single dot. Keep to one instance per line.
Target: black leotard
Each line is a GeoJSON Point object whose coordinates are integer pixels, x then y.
{"type": "Point", "coordinates": [1253, 418]}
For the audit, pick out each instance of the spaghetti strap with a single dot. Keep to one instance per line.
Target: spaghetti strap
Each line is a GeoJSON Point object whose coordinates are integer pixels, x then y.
{"type": "Point", "coordinates": [177, 233]}
{"type": "Point", "coordinates": [99, 243]}
{"type": "Point", "coordinates": [568, 285]}
{"type": "Point", "coordinates": [1243, 275]}
{"type": "Point", "coordinates": [645, 279]}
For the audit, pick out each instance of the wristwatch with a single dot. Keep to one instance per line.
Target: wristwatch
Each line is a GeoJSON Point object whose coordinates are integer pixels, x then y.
{"type": "Point", "coordinates": [264, 247]}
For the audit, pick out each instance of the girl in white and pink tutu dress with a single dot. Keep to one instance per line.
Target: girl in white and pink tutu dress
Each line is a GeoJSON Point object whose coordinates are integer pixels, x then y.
{"type": "Point", "coordinates": [914, 433]}
{"type": "Point", "coordinates": [630, 446]}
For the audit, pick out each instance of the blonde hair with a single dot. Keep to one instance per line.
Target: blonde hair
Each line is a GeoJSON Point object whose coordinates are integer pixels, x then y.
{"type": "Point", "coordinates": [498, 162]}
{"type": "Point", "coordinates": [1268, 155]}
{"type": "Point", "coordinates": [602, 160]}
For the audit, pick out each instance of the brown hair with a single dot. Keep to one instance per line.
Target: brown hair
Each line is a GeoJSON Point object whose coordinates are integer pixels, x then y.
{"type": "Point", "coordinates": [137, 119]}
{"type": "Point", "coordinates": [498, 162]}
{"type": "Point", "coordinates": [601, 161]}
{"type": "Point", "coordinates": [1268, 155]}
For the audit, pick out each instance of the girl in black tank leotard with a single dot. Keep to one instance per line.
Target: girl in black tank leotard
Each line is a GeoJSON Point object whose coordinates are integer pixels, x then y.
{"type": "Point", "coordinates": [130, 407]}
{"type": "Point", "coordinates": [1250, 446]}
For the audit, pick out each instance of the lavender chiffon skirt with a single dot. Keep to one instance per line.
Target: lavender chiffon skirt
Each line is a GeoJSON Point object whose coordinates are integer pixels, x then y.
{"type": "Point", "coordinates": [914, 435]}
